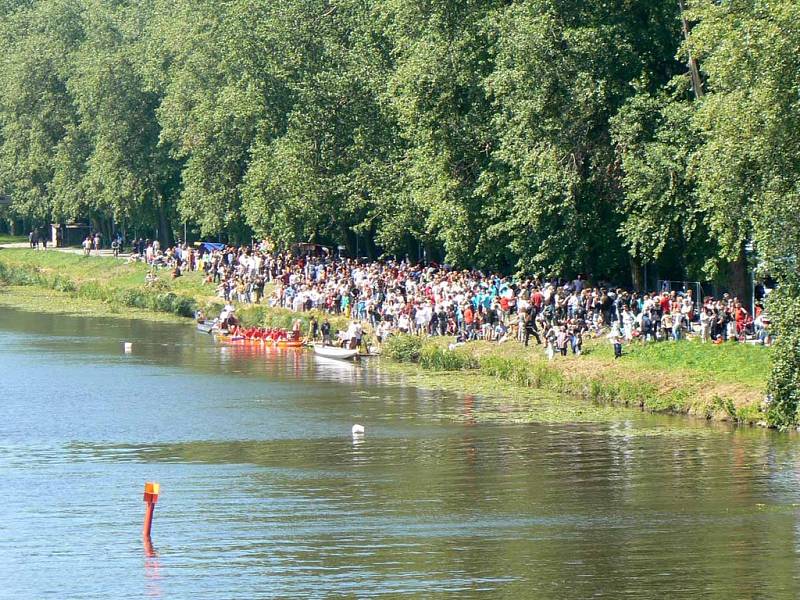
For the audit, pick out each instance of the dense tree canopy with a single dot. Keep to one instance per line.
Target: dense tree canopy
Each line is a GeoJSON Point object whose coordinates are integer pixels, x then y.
{"type": "Point", "coordinates": [537, 136]}
{"type": "Point", "coordinates": [544, 136]}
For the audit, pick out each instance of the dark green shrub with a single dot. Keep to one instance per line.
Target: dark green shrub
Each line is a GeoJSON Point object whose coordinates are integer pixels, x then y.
{"type": "Point", "coordinates": [784, 383]}
{"type": "Point", "coordinates": [436, 358]}
{"type": "Point", "coordinates": [403, 348]}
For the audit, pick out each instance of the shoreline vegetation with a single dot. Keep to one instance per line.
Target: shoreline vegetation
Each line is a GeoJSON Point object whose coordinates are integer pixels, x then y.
{"type": "Point", "coordinates": [720, 382]}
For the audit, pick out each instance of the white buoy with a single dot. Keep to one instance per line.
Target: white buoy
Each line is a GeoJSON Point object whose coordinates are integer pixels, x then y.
{"type": "Point", "coordinates": [358, 429]}
{"type": "Point", "coordinates": [128, 347]}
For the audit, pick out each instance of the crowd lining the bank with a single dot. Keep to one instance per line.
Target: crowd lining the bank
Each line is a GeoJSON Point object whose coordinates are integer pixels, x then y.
{"type": "Point", "coordinates": [400, 297]}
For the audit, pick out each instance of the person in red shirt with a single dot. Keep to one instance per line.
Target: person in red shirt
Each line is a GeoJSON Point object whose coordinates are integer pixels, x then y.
{"type": "Point", "coordinates": [537, 299]}
{"type": "Point", "coordinates": [665, 304]}
{"type": "Point", "coordinates": [504, 304]}
{"type": "Point", "coordinates": [469, 315]}
{"type": "Point", "coordinates": [469, 320]}
{"type": "Point", "coordinates": [740, 315]}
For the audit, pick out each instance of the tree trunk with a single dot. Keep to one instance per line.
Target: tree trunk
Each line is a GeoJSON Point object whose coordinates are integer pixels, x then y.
{"type": "Point", "coordinates": [637, 276]}
{"type": "Point", "coordinates": [694, 69]}
{"type": "Point", "coordinates": [108, 231]}
{"type": "Point", "coordinates": [739, 279]}
{"type": "Point", "coordinates": [349, 240]}
{"type": "Point", "coordinates": [372, 248]}
{"type": "Point", "coordinates": [164, 229]}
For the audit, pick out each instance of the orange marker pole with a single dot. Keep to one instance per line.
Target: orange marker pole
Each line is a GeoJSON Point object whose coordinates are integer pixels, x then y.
{"type": "Point", "coordinates": [151, 490]}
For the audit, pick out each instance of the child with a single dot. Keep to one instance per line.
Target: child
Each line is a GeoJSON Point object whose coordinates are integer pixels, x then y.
{"type": "Point", "coordinates": [562, 340]}
{"type": "Point", "coordinates": [550, 342]}
{"type": "Point", "coordinates": [615, 337]}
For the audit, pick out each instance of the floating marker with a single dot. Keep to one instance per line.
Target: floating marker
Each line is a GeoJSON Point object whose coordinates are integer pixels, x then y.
{"type": "Point", "coordinates": [151, 490]}
{"type": "Point", "coordinates": [128, 347]}
{"type": "Point", "coordinates": [358, 429]}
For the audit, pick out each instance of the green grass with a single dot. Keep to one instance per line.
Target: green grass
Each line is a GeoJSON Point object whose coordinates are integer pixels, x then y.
{"type": "Point", "coordinates": [93, 278]}
{"type": "Point", "coordinates": [35, 299]}
{"type": "Point", "coordinates": [724, 382]}
{"type": "Point", "coordinates": [741, 363]}
{"type": "Point", "coordinates": [120, 286]}
{"type": "Point", "coordinates": [77, 266]}
{"type": "Point", "coordinates": [12, 239]}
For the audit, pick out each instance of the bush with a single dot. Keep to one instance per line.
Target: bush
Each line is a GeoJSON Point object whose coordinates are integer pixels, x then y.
{"type": "Point", "coordinates": [436, 358]}
{"type": "Point", "coordinates": [20, 275]}
{"type": "Point", "coordinates": [749, 414]}
{"type": "Point", "coordinates": [522, 373]}
{"type": "Point", "coordinates": [403, 348]}
{"type": "Point", "coordinates": [93, 291]}
{"type": "Point", "coordinates": [784, 384]}
{"type": "Point", "coordinates": [63, 284]}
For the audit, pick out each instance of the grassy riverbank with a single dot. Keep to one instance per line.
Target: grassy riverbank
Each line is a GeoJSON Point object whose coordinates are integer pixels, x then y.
{"type": "Point", "coordinates": [75, 284]}
{"type": "Point", "coordinates": [724, 382]}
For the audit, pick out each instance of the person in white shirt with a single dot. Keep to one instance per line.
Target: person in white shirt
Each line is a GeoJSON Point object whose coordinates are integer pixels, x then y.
{"type": "Point", "coordinates": [627, 323]}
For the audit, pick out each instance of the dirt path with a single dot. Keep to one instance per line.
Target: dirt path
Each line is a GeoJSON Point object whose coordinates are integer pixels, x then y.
{"type": "Point", "coordinates": [26, 245]}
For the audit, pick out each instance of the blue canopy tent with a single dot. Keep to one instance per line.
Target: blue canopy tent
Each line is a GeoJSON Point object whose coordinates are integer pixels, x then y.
{"type": "Point", "coordinates": [210, 246]}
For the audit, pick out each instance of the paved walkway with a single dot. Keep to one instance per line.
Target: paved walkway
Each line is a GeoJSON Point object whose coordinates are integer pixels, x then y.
{"type": "Point", "coordinates": [103, 252]}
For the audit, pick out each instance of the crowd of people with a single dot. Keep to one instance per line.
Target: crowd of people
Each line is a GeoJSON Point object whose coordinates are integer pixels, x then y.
{"type": "Point", "coordinates": [397, 296]}
{"type": "Point", "coordinates": [178, 258]}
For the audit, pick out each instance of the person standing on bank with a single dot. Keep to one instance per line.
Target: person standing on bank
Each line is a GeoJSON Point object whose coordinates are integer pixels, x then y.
{"type": "Point", "coordinates": [615, 337]}
{"type": "Point", "coordinates": [325, 329]}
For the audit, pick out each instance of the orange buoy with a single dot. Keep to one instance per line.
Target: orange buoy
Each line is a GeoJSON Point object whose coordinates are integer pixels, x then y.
{"type": "Point", "coordinates": [151, 490]}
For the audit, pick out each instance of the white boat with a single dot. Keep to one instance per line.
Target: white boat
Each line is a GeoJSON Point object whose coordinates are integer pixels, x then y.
{"type": "Point", "coordinates": [334, 352]}
{"type": "Point", "coordinates": [206, 326]}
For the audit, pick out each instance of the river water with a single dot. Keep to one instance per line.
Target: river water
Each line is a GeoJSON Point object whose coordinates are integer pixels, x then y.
{"type": "Point", "coordinates": [266, 494]}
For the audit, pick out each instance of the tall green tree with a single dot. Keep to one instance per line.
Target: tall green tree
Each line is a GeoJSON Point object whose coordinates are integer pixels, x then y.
{"type": "Point", "coordinates": [441, 55]}
{"type": "Point", "coordinates": [562, 71]}
{"type": "Point", "coordinates": [214, 69]}
{"type": "Point", "coordinates": [749, 163]}
{"type": "Point", "coordinates": [114, 162]}
{"type": "Point", "coordinates": [37, 112]}
{"type": "Point", "coordinates": [321, 172]}
{"type": "Point", "coordinates": [656, 142]}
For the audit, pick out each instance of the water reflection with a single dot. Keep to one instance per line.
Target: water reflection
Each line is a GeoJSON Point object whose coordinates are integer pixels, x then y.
{"type": "Point", "coordinates": [270, 493]}
{"type": "Point", "coordinates": [152, 570]}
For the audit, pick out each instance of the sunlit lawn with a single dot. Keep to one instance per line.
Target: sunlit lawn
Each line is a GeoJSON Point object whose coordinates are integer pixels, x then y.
{"type": "Point", "coordinates": [12, 239]}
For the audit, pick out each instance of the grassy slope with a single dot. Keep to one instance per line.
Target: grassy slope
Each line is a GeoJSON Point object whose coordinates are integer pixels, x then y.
{"type": "Point", "coordinates": [724, 382]}
{"type": "Point", "coordinates": [73, 283]}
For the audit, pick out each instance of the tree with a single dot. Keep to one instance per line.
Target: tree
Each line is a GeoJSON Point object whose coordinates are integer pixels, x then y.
{"type": "Point", "coordinates": [748, 164]}
{"type": "Point", "coordinates": [321, 171]}
{"type": "Point", "coordinates": [562, 71]}
{"type": "Point", "coordinates": [662, 222]}
{"type": "Point", "coordinates": [440, 53]}
{"type": "Point", "coordinates": [114, 159]}
{"type": "Point", "coordinates": [36, 108]}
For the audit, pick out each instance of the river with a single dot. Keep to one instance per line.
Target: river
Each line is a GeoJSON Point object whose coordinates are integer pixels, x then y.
{"type": "Point", "coordinates": [266, 494]}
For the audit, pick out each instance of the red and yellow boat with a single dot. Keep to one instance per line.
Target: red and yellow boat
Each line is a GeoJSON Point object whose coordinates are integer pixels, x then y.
{"type": "Point", "coordinates": [264, 338]}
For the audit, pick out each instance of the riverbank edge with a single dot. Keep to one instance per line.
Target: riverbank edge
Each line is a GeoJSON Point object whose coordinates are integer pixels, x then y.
{"type": "Point", "coordinates": [594, 379]}
{"type": "Point", "coordinates": [598, 382]}
{"type": "Point", "coordinates": [135, 301]}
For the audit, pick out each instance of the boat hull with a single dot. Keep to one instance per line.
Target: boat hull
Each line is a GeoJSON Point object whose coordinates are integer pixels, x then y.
{"type": "Point", "coordinates": [234, 339]}
{"type": "Point", "coordinates": [334, 352]}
